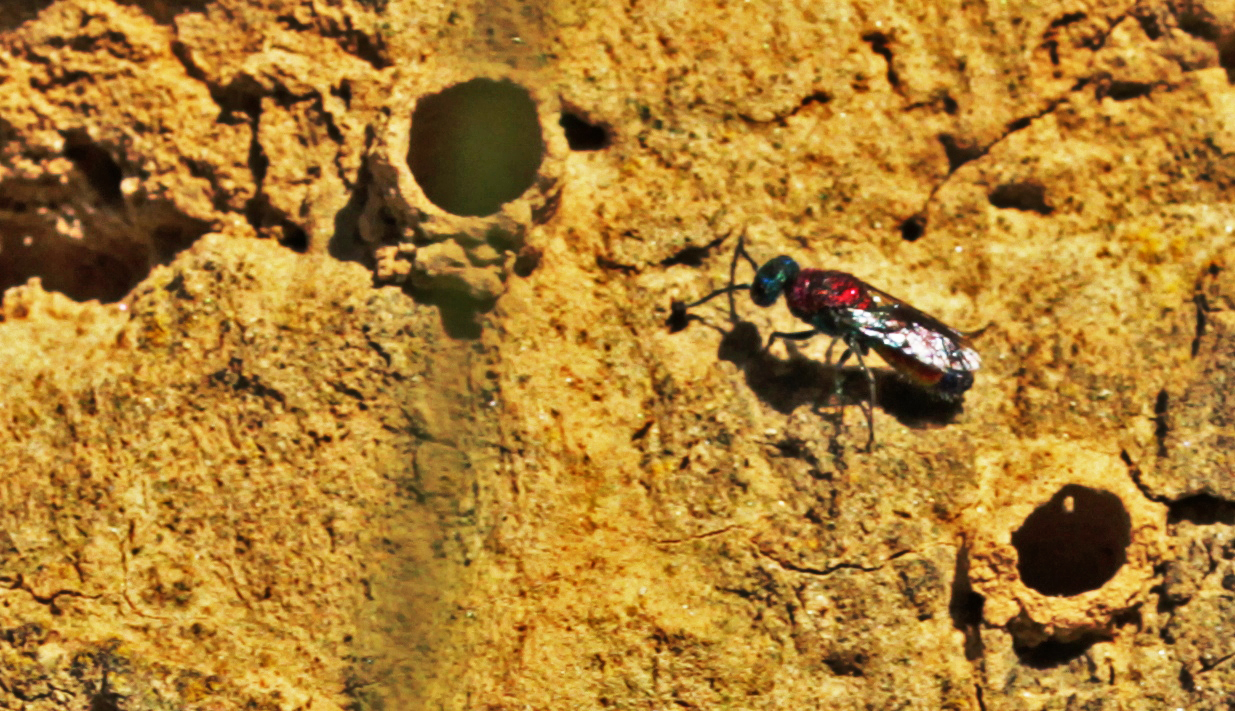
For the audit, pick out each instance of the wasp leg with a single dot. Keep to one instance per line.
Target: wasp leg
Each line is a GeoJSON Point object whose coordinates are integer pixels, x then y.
{"type": "Point", "coordinates": [796, 336]}
{"type": "Point", "coordinates": [869, 410]}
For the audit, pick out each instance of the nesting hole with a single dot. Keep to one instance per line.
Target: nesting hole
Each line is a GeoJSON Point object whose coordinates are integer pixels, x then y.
{"type": "Point", "coordinates": [1026, 196]}
{"type": "Point", "coordinates": [913, 228]}
{"type": "Point", "coordinates": [581, 135]}
{"type": "Point", "coordinates": [475, 146]}
{"type": "Point", "coordinates": [1074, 543]}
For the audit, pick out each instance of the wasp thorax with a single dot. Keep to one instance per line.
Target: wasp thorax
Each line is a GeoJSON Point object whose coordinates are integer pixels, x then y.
{"type": "Point", "coordinates": [771, 279]}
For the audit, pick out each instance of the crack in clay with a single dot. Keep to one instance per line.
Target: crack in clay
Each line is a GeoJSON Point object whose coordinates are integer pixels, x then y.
{"type": "Point", "coordinates": [1135, 474]}
{"type": "Point", "coordinates": [831, 568]}
{"type": "Point", "coordinates": [19, 583]}
{"type": "Point", "coordinates": [1051, 106]}
{"type": "Point", "coordinates": [696, 537]}
{"type": "Point", "coordinates": [815, 97]}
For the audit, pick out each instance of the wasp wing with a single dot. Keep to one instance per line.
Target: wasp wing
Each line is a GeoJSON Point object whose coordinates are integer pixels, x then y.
{"type": "Point", "coordinates": [911, 340]}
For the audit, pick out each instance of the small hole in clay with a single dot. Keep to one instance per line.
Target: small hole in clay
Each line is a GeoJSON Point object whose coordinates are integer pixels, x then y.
{"type": "Point", "coordinates": [581, 135]}
{"type": "Point", "coordinates": [475, 146]}
{"type": "Point", "coordinates": [96, 164]}
{"type": "Point", "coordinates": [1074, 543]}
{"type": "Point", "coordinates": [1027, 197]}
{"type": "Point", "coordinates": [913, 228]}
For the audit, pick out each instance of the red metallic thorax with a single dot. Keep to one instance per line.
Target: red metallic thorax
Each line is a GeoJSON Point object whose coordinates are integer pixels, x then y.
{"type": "Point", "coordinates": [818, 290]}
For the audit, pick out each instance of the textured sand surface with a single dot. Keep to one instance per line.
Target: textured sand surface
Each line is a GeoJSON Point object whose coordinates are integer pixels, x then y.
{"type": "Point", "coordinates": [303, 410]}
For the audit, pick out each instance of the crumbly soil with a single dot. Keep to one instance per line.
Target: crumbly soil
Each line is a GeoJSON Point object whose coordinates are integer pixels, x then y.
{"type": "Point", "coordinates": [279, 432]}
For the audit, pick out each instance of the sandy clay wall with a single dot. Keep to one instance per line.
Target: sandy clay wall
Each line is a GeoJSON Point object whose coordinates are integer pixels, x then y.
{"type": "Point", "coordinates": [339, 368]}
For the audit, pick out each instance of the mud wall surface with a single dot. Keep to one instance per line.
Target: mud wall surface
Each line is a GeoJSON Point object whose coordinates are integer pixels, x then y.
{"type": "Point", "coordinates": [341, 370]}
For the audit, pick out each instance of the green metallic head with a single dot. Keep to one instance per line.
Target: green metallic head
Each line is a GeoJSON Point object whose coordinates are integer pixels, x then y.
{"type": "Point", "coordinates": [771, 280]}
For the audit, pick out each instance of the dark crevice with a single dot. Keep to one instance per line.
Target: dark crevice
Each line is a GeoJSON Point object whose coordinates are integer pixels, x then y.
{"type": "Point", "coordinates": [100, 170]}
{"type": "Point", "coordinates": [1203, 307]}
{"type": "Point", "coordinates": [965, 606]}
{"type": "Point", "coordinates": [295, 238]}
{"type": "Point", "coordinates": [959, 151]}
{"type": "Point", "coordinates": [1125, 90]}
{"type": "Point", "coordinates": [819, 97]}
{"type": "Point", "coordinates": [582, 135]}
{"type": "Point", "coordinates": [846, 663]}
{"type": "Point", "coordinates": [182, 53]}
{"type": "Point", "coordinates": [1201, 510]}
{"type": "Point", "coordinates": [1226, 55]}
{"type": "Point", "coordinates": [1202, 322]}
{"type": "Point", "coordinates": [1025, 196]}
{"type": "Point", "coordinates": [1197, 21]}
{"type": "Point", "coordinates": [1053, 653]}
{"type": "Point", "coordinates": [1186, 682]}
{"type": "Point", "coordinates": [346, 244]}
{"type": "Point", "coordinates": [880, 44]}
{"type": "Point", "coordinates": [1161, 426]}
{"type": "Point", "coordinates": [1068, 19]}
{"type": "Point", "coordinates": [606, 263]}
{"type": "Point", "coordinates": [913, 228]}
{"type": "Point", "coordinates": [1210, 665]}
{"type": "Point", "coordinates": [1020, 124]}
{"type": "Point", "coordinates": [241, 102]}
{"type": "Point", "coordinates": [527, 260]}
{"type": "Point", "coordinates": [831, 568]}
{"type": "Point", "coordinates": [1148, 20]}
{"type": "Point", "coordinates": [1134, 472]}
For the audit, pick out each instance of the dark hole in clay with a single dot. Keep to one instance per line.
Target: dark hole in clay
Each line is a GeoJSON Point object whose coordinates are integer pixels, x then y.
{"type": "Point", "coordinates": [96, 164]}
{"type": "Point", "coordinates": [581, 135]}
{"type": "Point", "coordinates": [1074, 543]}
{"type": "Point", "coordinates": [913, 228]}
{"type": "Point", "coordinates": [475, 146]}
{"type": "Point", "coordinates": [1028, 197]}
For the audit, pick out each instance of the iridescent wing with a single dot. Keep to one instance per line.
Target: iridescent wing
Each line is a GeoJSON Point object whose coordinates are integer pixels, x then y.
{"type": "Point", "coordinates": [915, 343]}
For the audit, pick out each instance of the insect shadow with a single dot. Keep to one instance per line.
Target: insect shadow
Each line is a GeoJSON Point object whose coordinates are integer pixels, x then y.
{"type": "Point", "coordinates": [786, 384]}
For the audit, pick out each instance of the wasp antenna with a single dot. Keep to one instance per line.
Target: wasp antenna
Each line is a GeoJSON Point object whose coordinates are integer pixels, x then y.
{"type": "Point", "coordinates": [741, 251]}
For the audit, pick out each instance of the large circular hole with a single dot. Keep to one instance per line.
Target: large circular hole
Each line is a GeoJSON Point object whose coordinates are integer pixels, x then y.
{"type": "Point", "coordinates": [1075, 542]}
{"type": "Point", "coordinates": [475, 146]}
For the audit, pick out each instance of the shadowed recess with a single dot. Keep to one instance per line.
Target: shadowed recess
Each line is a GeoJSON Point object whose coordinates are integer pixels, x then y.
{"type": "Point", "coordinates": [79, 234]}
{"type": "Point", "coordinates": [913, 228]}
{"type": "Point", "coordinates": [1074, 543]}
{"type": "Point", "coordinates": [14, 12]}
{"type": "Point", "coordinates": [475, 146]}
{"type": "Point", "coordinates": [581, 135]}
{"type": "Point", "coordinates": [1027, 196]}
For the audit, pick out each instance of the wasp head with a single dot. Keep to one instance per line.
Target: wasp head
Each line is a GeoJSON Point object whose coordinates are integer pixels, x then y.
{"type": "Point", "coordinates": [771, 280]}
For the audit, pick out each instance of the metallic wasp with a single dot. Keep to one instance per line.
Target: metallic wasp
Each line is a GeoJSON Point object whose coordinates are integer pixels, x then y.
{"type": "Point", "coordinates": [924, 350]}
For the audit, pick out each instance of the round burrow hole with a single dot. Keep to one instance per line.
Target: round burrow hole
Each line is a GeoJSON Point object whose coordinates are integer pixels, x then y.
{"type": "Point", "coordinates": [475, 146]}
{"type": "Point", "coordinates": [1074, 543]}
{"type": "Point", "coordinates": [913, 228]}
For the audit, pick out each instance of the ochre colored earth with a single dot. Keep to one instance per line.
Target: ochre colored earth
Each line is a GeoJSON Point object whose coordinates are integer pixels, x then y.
{"type": "Point", "coordinates": [287, 421]}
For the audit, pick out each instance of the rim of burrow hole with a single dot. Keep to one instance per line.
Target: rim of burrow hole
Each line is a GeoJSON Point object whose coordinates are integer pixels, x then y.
{"type": "Point", "coordinates": [1062, 540]}
{"type": "Point", "coordinates": [445, 121]}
